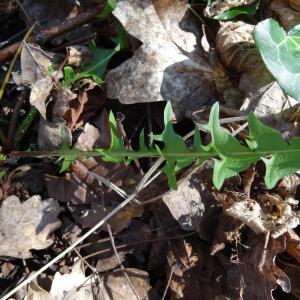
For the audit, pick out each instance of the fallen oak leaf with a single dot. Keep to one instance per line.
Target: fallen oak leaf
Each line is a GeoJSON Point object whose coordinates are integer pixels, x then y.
{"type": "Point", "coordinates": [169, 65]}
{"type": "Point", "coordinates": [27, 225]}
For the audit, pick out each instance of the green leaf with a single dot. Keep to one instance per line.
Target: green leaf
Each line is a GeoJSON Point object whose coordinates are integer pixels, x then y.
{"type": "Point", "coordinates": [236, 11]}
{"type": "Point", "coordinates": [280, 52]}
{"type": "Point", "coordinates": [234, 157]}
{"type": "Point", "coordinates": [285, 158]}
{"type": "Point", "coordinates": [97, 67]}
{"type": "Point", "coordinates": [117, 151]}
{"type": "Point", "coordinates": [175, 152]}
{"type": "Point", "coordinates": [69, 76]}
{"type": "Point", "coordinates": [108, 8]}
{"type": "Point", "coordinates": [101, 57]}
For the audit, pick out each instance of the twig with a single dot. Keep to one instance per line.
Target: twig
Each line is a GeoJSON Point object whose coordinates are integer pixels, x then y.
{"type": "Point", "coordinates": [119, 260]}
{"type": "Point", "coordinates": [12, 64]}
{"type": "Point", "coordinates": [111, 185]}
{"type": "Point", "coordinates": [169, 281]}
{"type": "Point", "coordinates": [13, 120]}
{"type": "Point", "coordinates": [53, 31]}
{"type": "Point", "coordinates": [105, 251]}
{"type": "Point", "coordinates": [87, 234]}
{"type": "Point", "coordinates": [264, 253]}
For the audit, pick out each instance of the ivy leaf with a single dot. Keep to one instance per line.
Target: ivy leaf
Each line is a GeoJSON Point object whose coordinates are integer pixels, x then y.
{"type": "Point", "coordinates": [236, 11]}
{"type": "Point", "coordinates": [285, 158]}
{"type": "Point", "coordinates": [281, 54]}
{"type": "Point", "coordinates": [235, 157]}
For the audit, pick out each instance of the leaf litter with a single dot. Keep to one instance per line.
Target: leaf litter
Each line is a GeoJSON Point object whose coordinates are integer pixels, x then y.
{"type": "Point", "coordinates": [225, 232]}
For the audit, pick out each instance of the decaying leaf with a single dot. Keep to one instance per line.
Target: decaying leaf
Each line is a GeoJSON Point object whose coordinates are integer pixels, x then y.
{"type": "Point", "coordinates": [256, 276]}
{"type": "Point", "coordinates": [267, 214]}
{"type": "Point", "coordinates": [39, 94]}
{"type": "Point", "coordinates": [62, 97]}
{"type": "Point", "coordinates": [49, 11]}
{"type": "Point", "coordinates": [288, 12]}
{"type": "Point", "coordinates": [192, 204]}
{"type": "Point", "coordinates": [77, 285]}
{"type": "Point", "coordinates": [237, 49]}
{"type": "Point", "coordinates": [194, 277]}
{"type": "Point", "coordinates": [27, 225]}
{"type": "Point", "coordinates": [79, 55]}
{"type": "Point", "coordinates": [35, 64]}
{"type": "Point", "coordinates": [118, 287]}
{"type": "Point", "coordinates": [168, 66]}
{"type": "Point", "coordinates": [52, 136]}
{"type": "Point", "coordinates": [67, 286]}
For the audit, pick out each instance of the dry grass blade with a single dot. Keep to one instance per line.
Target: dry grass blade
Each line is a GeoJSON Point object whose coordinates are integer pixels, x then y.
{"type": "Point", "coordinates": [139, 187]}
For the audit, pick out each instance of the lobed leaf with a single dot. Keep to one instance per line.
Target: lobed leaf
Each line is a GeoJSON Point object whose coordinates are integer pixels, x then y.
{"type": "Point", "coordinates": [285, 158]}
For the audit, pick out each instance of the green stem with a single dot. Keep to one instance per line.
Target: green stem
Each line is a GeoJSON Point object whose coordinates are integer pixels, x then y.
{"type": "Point", "coordinates": [143, 154]}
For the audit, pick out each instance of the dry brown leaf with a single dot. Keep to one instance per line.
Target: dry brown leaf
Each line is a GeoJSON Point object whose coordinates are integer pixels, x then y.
{"type": "Point", "coordinates": [238, 51]}
{"type": "Point", "coordinates": [227, 231]}
{"type": "Point", "coordinates": [288, 12]}
{"type": "Point", "coordinates": [52, 136]}
{"type": "Point", "coordinates": [288, 185]}
{"type": "Point", "coordinates": [67, 286]}
{"type": "Point", "coordinates": [293, 245]}
{"type": "Point", "coordinates": [40, 93]}
{"type": "Point", "coordinates": [256, 275]}
{"type": "Point", "coordinates": [79, 55]}
{"type": "Point", "coordinates": [219, 6]}
{"type": "Point", "coordinates": [77, 286]}
{"type": "Point", "coordinates": [237, 48]}
{"type": "Point", "coordinates": [169, 65]}
{"type": "Point", "coordinates": [61, 97]}
{"type": "Point", "coordinates": [195, 271]}
{"type": "Point", "coordinates": [35, 64]}
{"type": "Point", "coordinates": [192, 204]}
{"type": "Point", "coordinates": [85, 107]}
{"type": "Point", "coordinates": [27, 225]}
{"type": "Point", "coordinates": [271, 215]}
{"type": "Point", "coordinates": [49, 11]}
{"type": "Point", "coordinates": [69, 189]}
{"type": "Point", "coordinates": [118, 287]}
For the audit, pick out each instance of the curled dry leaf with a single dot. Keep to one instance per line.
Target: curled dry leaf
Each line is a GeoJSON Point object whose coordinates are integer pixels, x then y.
{"type": "Point", "coordinates": [35, 64]}
{"type": "Point", "coordinates": [62, 97]}
{"type": "Point", "coordinates": [288, 185]}
{"type": "Point", "coordinates": [195, 271]}
{"type": "Point", "coordinates": [79, 55]}
{"type": "Point", "coordinates": [40, 93]}
{"type": "Point", "coordinates": [272, 214]}
{"type": "Point", "coordinates": [238, 51]}
{"type": "Point", "coordinates": [256, 276]}
{"type": "Point", "coordinates": [65, 286]}
{"type": "Point", "coordinates": [27, 225]}
{"type": "Point", "coordinates": [169, 65]}
{"type": "Point", "coordinates": [288, 12]}
{"type": "Point", "coordinates": [219, 6]}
